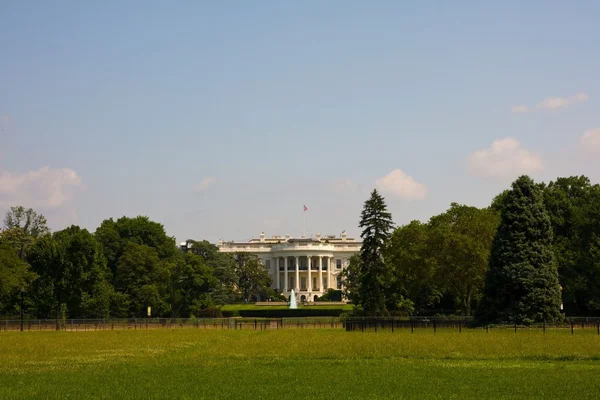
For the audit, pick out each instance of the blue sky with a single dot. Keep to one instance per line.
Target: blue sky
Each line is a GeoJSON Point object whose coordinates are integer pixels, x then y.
{"type": "Point", "coordinates": [221, 119]}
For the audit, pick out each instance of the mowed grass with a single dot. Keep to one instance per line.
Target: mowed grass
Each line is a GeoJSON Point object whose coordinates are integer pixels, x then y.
{"type": "Point", "coordinates": [297, 363]}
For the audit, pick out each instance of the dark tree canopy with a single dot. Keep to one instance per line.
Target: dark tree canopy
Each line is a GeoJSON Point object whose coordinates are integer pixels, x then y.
{"type": "Point", "coordinates": [116, 235]}
{"type": "Point", "coordinates": [522, 281]}
{"type": "Point", "coordinates": [369, 276]}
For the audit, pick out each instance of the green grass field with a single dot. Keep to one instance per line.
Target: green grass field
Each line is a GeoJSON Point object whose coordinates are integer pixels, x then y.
{"type": "Point", "coordinates": [299, 363]}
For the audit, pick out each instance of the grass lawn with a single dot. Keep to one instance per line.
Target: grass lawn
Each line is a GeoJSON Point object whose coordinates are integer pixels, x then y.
{"type": "Point", "coordinates": [297, 363]}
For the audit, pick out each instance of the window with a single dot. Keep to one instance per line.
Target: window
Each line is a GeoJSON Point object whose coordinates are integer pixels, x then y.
{"type": "Point", "coordinates": [338, 264]}
{"type": "Point", "coordinates": [325, 283]}
{"type": "Point", "coordinates": [303, 283]}
{"type": "Point", "coordinates": [339, 282]}
{"type": "Point", "coordinates": [268, 264]}
{"type": "Point", "coordinates": [314, 285]}
{"type": "Point", "coordinates": [291, 283]}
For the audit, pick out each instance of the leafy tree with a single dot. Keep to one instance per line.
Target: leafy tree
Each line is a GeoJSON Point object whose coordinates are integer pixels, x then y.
{"type": "Point", "coordinates": [144, 278]}
{"type": "Point", "coordinates": [224, 267]}
{"type": "Point", "coordinates": [411, 257]}
{"type": "Point", "coordinates": [21, 228]}
{"type": "Point", "coordinates": [72, 274]}
{"type": "Point", "coordinates": [192, 285]}
{"type": "Point", "coordinates": [15, 276]}
{"type": "Point", "coordinates": [573, 204]}
{"type": "Point", "coordinates": [369, 277]}
{"type": "Point", "coordinates": [462, 239]}
{"type": "Point", "coordinates": [254, 280]}
{"type": "Point", "coordinates": [116, 235]}
{"type": "Point", "coordinates": [522, 281]}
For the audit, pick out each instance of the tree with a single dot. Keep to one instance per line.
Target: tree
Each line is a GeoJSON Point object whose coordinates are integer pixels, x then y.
{"type": "Point", "coordinates": [254, 280]}
{"type": "Point", "coordinates": [72, 275]}
{"type": "Point", "coordinates": [144, 278]}
{"type": "Point", "coordinates": [521, 285]}
{"type": "Point", "coordinates": [21, 228]}
{"type": "Point", "coordinates": [573, 204]}
{"type": "Point", "coordinates": [462, 239]}
{"type": "Point", "coordinates": [411, 257]}
{"type": "Point", "coordinates": [116, 235]}
{"type": "Point", "coordinates": [224, 267]}
{"type": "Point", "coordinates": [15, 276]}
{"type": "Point", "coordinates": [369, 277]}
{"type": "Point", "coordinates": [192, 285]}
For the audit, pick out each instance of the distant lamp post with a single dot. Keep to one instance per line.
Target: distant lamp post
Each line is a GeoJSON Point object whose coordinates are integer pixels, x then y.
{"type": "Point", "coordinates": [149, 314]}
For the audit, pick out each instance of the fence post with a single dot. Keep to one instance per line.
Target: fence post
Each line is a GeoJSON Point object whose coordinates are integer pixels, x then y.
{"type": "Point", "coordinates": [412, 326]}
{"type": "Point", "coordinates": [459, 327]}
{"type": "Point", "coordinates": [487, 327]}
{"type": "Point", "coordinates": [515, 327]}
{"type": "Point", "coordinates": [434, 327]}
{"type": "Point", "coordinates": [571, 327]}
{"type": "Point", "coordinates": [544, 328]}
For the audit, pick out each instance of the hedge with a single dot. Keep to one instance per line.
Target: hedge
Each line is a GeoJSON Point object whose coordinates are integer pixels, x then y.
{"type": "Point", "coordinates": [286, 313]}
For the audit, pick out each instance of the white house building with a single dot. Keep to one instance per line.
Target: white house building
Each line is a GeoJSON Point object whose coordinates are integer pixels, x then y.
{"type": "Point", "coordinates": [310, 266]}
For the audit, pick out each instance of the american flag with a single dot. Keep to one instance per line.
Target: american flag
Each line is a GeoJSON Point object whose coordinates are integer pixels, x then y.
{"type": "Point", "coordinates": [305, 208]}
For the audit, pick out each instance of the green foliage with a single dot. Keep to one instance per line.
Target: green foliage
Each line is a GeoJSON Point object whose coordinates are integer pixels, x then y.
{"type": "Point", "coordinates": [522, 282]}
{"type": "Point", "coordinates": [72, 274]}
{"type": "Point", "coordinates": [462, 239]}
{"type": "Point", "coordinates": [574, 207]}
{"type": "Point", "coordinates": [331, 295]}
{"type": "Point", "coordinates": [144, 278]}
{"type": "Point", "coordinates": [22, 227]}
{"type": "Point", "coordinates": [224, 267]}
{"type": "Point", "coordinates": [192, 283]}
{"type": "Point", "coordinates": [115, 236]}
{"type": "Point", "coordinates": [254, 281]}
{"type": "Point", "coordinates": [15, 276]}
{"type": "Point", "coordinates": [412, 258]}
{"type": "Point", "coordinates": [369, 278]}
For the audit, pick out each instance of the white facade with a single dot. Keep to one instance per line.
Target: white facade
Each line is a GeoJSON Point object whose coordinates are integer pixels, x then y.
{"type": "Point", "coordinates": [310, 266]}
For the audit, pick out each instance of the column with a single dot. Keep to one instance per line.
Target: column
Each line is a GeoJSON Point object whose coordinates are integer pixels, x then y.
{"type": "Point", "coordinates": [308, 262]}
{"type": "Point", "coordinates": [278, 287]}
{"type": "Point", "coordinates": [321, 274]}
{"type": "Point", "coordinates": [297, 275]}
{"type": "Point", "coordinates": [328, 272]}
{"type": "Point", "coordinates": [285, 277]}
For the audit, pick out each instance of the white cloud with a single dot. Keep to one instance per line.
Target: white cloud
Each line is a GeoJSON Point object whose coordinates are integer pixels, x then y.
{"type": "Point", "coordinates": [558, 102]}
{"type": "Point", "coordinates": [401, 185]}
{"type": "Point", "coordinates": [345, 186]}
{"type": "Point", "coordinates": [45, 188]}
{"type": "Point", "coordinates": [519, 109]}
{"type": "Point", "coordinates": [590, 140]}
{"type": "Point", "coordinates": [204, 184]}
{"type": "Point", "coordinates": [503, 160]}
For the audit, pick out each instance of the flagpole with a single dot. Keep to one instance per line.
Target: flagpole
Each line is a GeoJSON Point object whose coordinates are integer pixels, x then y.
{"type": "Point", "coordinates": [304, 233]}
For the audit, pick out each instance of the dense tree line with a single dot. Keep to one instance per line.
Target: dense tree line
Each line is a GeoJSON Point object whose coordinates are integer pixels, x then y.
{"type": "Point", "coordinates": [119, 270]}
{"type": "Point", "coordinates": [535, 247]}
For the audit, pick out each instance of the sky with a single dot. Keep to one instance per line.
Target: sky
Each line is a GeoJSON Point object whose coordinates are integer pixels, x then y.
{"type": "Point", "coordinates": [223, 119]}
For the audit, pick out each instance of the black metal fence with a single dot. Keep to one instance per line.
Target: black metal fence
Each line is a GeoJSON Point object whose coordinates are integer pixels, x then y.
{"type": "Point", "coordinates": [375, 324]}
{"type": "Point", "coordinates": [76, 325]}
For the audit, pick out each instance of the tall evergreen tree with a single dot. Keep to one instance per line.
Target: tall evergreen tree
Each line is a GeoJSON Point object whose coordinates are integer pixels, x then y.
{"type": "Point", "coordinates": [522, 281]}
{"type": "Point", "coordinates": [372, 273]}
